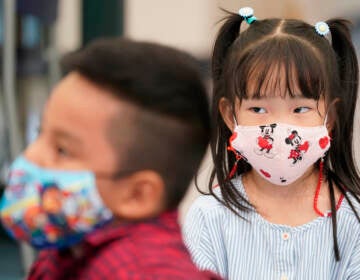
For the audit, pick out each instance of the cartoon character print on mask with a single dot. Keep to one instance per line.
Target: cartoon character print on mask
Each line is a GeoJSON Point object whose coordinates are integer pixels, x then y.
{"type": "Point", "coordinates": [65, 210]}
{"type": "Point", "coordinates": [291, 146]}
{"type": "Point", "coordinates": [298, 147]}
{"type": "Point", "coordinates": [17, 190]}
{"type": "Point", "coordinates": [49, 219]}
{"type": "Point", "coordinates": [265, 141]}
{"type": "Point", "coordinates": [52, 203]}
{"type": "Point", "coordinates": [17, 227]}
{"type": "Point", "coordinates": [51, 208]}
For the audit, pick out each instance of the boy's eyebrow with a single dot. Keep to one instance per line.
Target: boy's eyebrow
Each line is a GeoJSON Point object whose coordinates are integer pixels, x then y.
{"type": "Point", "coordinates": [67, 136]}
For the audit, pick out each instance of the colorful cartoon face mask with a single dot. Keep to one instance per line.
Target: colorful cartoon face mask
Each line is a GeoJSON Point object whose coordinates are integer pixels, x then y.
{"type": "Point", "coordinates": [281, 153]}
{"type": "Point", "coordinates": [50, 208]}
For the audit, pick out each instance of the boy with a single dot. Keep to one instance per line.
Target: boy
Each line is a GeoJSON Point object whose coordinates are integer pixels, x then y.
{"type": "Point", "coordinates": [136, 116]}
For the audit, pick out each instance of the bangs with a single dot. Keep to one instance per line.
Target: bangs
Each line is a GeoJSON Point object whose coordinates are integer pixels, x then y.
{"type": "Point", "coordinates": [278, 67]}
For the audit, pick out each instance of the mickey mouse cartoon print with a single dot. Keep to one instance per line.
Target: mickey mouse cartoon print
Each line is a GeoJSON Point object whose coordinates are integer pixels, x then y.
{"type": "Point", "coordinates": [299, 148]}
{"type": "Point", "coordinates": [265, 141]}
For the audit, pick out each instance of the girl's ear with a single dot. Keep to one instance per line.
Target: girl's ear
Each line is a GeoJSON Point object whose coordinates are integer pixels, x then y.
{"type": "Point", "coordinates": [227, 113]}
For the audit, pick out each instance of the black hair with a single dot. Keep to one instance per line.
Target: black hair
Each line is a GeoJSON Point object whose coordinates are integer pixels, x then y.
{"type": "Point", "coordinates": [318, 66]}
{"type": "Point", "coordinates": [170, 130]}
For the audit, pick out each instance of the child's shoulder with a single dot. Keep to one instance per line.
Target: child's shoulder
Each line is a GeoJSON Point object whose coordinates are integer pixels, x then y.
{"type": "Point", "coordinates": [348, 206]}
{"type": "Point", "coordinates": [207, 203]}
{"type": "Point", "coordinates": [210, 204]}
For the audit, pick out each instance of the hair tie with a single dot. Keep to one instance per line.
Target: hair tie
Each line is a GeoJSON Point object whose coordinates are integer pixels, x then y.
{"type": "Point", "coordinates": [247, 14]}
{"type": "Point", "coordinates": [322, 28]}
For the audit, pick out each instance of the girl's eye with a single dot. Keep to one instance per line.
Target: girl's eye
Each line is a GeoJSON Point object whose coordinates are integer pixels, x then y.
{"type": "Point", "coordinates": [301, 110]}
{"type": "Point", "coordinates": [258, 110]}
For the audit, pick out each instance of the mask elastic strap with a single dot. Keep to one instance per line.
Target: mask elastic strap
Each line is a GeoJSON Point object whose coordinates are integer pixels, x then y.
{"type": "Point", "coordinates": [234, 151]}
{"type": "Point", "coordinates": [326, 118]}
{"type": "Point", "coordinates": [235, 121]}
{"type": "Point", "coordinates": [238, 157]}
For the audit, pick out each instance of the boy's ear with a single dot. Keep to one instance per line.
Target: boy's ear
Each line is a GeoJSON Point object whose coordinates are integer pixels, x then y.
{"type": "Point", "coordinates": [227, 113]}
{"type": "Point", "coordinates": [143, 196]}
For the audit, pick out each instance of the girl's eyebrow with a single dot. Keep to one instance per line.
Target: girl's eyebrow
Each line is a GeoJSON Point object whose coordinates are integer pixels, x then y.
{"type": "Point", "coordinates": [258, 97]}
{"type": "Point", "coordinates": [297, 96]}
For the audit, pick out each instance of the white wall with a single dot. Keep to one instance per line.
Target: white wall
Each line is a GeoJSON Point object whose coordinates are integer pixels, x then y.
{"type": "Point", "coordinates": [191, 24]}
{"type": "Point", "coordinates": [186, 24]}
{"type": "Point", "coordinates": [68, 27]}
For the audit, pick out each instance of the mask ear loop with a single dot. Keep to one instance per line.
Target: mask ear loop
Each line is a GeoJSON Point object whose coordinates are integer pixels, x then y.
{"type": "Point", "coordinates": [238, 156]}
{"type": "Point", "coordinates": [326, 119]}
{"type": "Point", "coordinates": [230, 148]}
{"type": "Point", "coordinates": [235, 121]}
{"type": "Point", "coordinates": [325, 124]}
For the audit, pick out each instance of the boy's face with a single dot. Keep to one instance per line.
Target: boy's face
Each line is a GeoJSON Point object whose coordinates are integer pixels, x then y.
{"type": "Point", "coordinates": [74, 136]}
{"type": "Point", "coordinates": [74, 127]}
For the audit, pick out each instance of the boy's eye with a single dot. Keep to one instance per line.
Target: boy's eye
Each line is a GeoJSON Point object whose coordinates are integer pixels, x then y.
{"type": "Point", "coordinates": [61, 151]}
{"type": "Point", "coordinates": [300, 110]}
{"type": "Point", "coordinates": [38, 130]}
{"type": "Point", "coordinates": [258, 110]}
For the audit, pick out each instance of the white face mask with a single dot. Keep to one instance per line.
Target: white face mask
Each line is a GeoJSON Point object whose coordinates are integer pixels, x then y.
{"type": "Point", "coordinates": [281, 153]}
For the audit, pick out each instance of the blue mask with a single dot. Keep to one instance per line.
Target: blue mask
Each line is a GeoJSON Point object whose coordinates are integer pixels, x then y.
{"type": "Point", "coordinates": [51, 208]}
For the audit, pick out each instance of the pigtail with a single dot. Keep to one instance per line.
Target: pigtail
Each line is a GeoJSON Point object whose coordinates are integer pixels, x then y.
{"type": "Point", "coordinates": [342, 160]}
{"type": "Point", "coordinates": [225, 37]}
{"type": "Point", "coordinates": [231, 197]}
{"type": "Point", "coordinates": [343, 172]}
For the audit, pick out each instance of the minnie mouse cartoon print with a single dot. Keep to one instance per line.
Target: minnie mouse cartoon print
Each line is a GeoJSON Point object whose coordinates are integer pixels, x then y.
{"type": "Point", "coordinates": [298, 148]}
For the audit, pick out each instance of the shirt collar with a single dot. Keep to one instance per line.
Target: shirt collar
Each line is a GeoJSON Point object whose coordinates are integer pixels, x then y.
{"type": "Point", "coordinates": [117, 230]}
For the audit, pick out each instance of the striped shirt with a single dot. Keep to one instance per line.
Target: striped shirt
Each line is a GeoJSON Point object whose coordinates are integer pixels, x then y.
{"type": "Point", "coordinates": [257, 249]}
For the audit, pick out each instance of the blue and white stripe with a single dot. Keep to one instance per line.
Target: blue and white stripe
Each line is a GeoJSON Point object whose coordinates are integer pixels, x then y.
{"type": "Point", "coordinates": [256, 249]}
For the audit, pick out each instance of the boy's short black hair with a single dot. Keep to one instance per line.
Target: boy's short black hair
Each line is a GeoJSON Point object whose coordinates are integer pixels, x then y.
{"type": "Point", "coordinates": [171, 129]}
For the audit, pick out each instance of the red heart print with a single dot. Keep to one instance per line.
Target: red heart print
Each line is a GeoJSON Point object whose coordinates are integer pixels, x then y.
{"type": "Point", "coordinates": [323, 142]}
{"type": "Point", "coordinates": [304, 147]}
{"type": "Point", "coordinates": [266, 174]}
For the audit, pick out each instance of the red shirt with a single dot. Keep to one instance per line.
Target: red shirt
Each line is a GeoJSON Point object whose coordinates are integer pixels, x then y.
{"type": "Point", "coordinates": [151, 249]}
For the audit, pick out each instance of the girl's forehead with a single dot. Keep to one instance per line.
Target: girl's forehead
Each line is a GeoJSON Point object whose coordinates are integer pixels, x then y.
{"type": "Point", "coordinates": [276, 83]}
{"type": "Point", "coordinates": [278, 67]}
{"type": "Point", "coordinates": [279, 80]}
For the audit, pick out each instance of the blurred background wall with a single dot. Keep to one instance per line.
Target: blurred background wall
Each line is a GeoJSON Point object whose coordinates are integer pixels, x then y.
{"type": "Point", "coordinates": [191, 25]}
{"type": "Point", "coordinates": [35, 33]}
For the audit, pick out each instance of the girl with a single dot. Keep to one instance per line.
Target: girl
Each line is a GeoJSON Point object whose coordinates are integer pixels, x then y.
{"type": "Point", "coordinates": [283, 108]}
